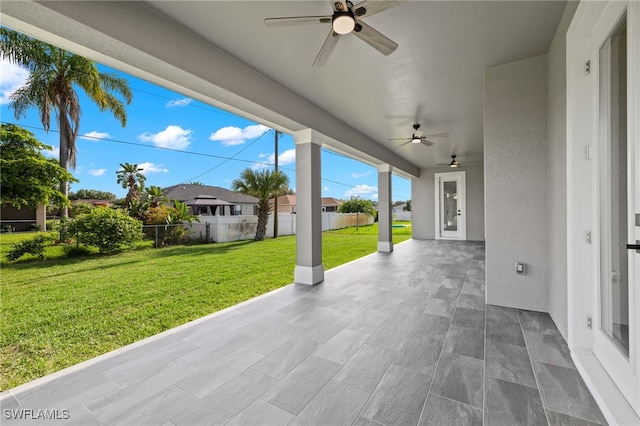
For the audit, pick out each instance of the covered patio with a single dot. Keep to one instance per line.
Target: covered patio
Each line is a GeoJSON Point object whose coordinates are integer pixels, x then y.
{"type": "Point", "coordinates": [404, 335]}
{"type": "Point", "coordinates": [392, 338]}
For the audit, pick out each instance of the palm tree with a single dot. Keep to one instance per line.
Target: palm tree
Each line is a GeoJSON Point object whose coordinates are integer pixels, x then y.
{"type": "Point", "coordinates": [129, 176]}
{"type": "Point", "coordinates": [53, 75]}
{"type": "Point", "coordinates": [155, 196]}
{"type": "Point", "coordinates": [263, 185]}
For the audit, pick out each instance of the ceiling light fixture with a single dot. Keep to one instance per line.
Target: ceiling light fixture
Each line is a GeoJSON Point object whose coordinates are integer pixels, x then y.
{"type": "Point", "coordinates": [343, 22]}
{"type": "Point", "coordinates": [454, 163]}
{"type": "Point", "coordinates": [416, 139]}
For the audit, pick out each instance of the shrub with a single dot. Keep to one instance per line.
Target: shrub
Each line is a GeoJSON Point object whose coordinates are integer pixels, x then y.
{"type": "Point", "coordinates": [80, 208]}
{"type": "Point", "coordinates": [34, 246]}
{"type": "Point", "coordinates": [107, 229]}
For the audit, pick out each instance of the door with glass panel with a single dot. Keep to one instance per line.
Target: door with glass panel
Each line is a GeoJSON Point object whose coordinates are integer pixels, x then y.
{"type": "Point", "coordinates": [450, 206]}
{"type": "Point", "coordinates": [615, 342]}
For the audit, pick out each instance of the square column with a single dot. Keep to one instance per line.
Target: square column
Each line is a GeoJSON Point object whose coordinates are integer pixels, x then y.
{"type": "Point", "coordinates": [309, 269]}
{"type": "Point", "coordinates": [385, 218]}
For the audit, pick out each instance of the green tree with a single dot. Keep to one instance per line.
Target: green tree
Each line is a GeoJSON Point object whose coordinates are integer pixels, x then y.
{"type": "Point", "coordinates": [407, 206]}
{"type": "Point", "coordinates": [263, 185]}
{"type": "Point", "coordinates": [53, 75]}
{"type": "Point", "coordinates": [357, 205]}
{"type": "Point", "coordinates": [130, 178]}
{"type": "Point", "coordinates": [91, 194]}
{"type": "Point", "coordinates": [28, 177]}
{"type": "Point", "coordinates": [155, 196]}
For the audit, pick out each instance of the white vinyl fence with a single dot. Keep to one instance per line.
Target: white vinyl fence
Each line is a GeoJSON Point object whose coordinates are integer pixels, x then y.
{"type": "Point", "coordinates": [222, 229]}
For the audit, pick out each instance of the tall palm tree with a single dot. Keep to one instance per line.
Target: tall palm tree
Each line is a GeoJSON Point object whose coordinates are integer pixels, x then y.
{"type": "Point", "coordinates": [129, 176]}
{"type": "Point", "coordinates": [53, 75]}
{"type": "Point", "coordinates": [263, 185]}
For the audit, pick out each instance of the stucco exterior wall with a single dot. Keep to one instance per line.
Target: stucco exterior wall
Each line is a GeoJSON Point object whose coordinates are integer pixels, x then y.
{"type": "Point", "coordinates": [516, 184]}
{"type": "Point", "coordinates": [557, 163]}
{"type": "Point", "coordinates": [423, 203]}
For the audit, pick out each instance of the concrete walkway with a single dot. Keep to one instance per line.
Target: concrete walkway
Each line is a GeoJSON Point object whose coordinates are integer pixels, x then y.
{"type": "Point", "coordinates": [400, 338]}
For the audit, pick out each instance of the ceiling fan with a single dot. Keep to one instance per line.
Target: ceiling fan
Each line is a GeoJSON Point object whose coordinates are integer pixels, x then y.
{"type": "Point", "coordinates": [454, 163]}
{"type": "Point", "coordinates": [346, 19]}
{"type": "Point", "coordinates": [418, 136]}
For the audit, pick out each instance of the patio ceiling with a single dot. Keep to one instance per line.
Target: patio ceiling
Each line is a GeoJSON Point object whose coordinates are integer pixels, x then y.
{"type": "Point", "coordinates": [435, 77]}
{"type": "Point", "coordinates": [358, 100]}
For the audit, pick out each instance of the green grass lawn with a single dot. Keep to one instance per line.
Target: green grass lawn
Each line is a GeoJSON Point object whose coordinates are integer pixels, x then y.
{"type": "Point", "coordinates": [61, 311]}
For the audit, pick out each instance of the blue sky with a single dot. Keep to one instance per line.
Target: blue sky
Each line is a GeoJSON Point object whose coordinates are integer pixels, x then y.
{"type": "Point", "coordinates": [158, 118]}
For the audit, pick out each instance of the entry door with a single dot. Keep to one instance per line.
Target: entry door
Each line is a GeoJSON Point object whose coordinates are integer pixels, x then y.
{"type": "Point", "coordinates": [615, 339]}
{"type": "Point", "coordinates": [450, 206]}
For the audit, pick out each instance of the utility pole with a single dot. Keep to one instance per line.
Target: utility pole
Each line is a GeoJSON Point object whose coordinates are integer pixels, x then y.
{"type": "Point", "coordinates": [275, 200]}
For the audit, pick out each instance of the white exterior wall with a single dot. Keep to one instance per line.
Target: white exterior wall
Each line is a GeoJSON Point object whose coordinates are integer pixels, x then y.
{"type": "Point", "coordinates": [516, 188]}
{"type": "Point", "coordinates": [557, 163]}
{"type": "Point", "coordinates": [423, 203]}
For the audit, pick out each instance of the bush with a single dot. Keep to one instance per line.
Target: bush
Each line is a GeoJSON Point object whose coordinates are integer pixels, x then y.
{"type": "Point", "coordinates": [107, 229]}
{"type": "Point", "coordinates": [34, 246]}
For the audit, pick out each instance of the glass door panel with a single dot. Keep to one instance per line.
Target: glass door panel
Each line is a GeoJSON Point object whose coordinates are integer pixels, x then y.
{"type": "Point", "coordinates": [450, 206]}
{"type": "Point", "coordinates": [614, 214]}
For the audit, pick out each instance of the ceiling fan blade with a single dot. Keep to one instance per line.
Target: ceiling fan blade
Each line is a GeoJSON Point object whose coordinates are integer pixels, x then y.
{"type": "Point", "coordinates": [399, 139]}
{"type": "Point", "coordinates": [426, 142]}
{"type": "Point", "coordinates": [374, 39]}
{"type": "Point", "coordinates": [371, 7]}
{"type": "Point", "coordinates": [437, 135]}
{"type": "Point", "coordinates": [326, 49]}
{"type": "Point", "coordinates": [296, 20]}
{"type": "Point", "coordinates": [407, 142]}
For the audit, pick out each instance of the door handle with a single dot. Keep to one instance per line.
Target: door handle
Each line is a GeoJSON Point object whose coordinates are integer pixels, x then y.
{"type": "Point", "coordinates": [635, 247]}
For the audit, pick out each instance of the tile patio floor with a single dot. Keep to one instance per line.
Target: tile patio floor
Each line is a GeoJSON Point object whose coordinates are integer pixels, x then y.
{"type": "Point", "coordinates": [401, 338]}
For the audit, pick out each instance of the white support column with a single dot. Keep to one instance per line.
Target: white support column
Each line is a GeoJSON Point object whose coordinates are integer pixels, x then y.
{"type": "Point", "coordinates": [309, 269]}
{"type": "Point", "coordinates": [385, 218]}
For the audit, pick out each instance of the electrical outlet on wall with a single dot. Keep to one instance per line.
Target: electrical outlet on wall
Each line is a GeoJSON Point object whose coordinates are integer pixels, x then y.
{"type": "Point", "coordinates": [521, 268]}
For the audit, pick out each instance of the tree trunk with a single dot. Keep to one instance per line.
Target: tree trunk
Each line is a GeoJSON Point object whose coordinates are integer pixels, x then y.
{"type": "Point", "coordinates": [64, 159]}
{"type": "Point", "coordinates": [263, 218]}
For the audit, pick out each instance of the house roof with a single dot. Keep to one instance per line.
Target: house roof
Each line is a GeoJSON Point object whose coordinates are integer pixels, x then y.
{"type": "Point", "coordinates": [285, 200]}
{"type": "Point", "coordinates": [186, 192]}
{"type": "Point", "coordinates": [330, 201]}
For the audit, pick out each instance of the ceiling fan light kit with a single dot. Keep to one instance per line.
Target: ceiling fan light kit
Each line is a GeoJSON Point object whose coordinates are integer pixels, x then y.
{"type": "Point", "coordinates": [343, 22]}
{"type": "Point", "coordinates": [346, 19]}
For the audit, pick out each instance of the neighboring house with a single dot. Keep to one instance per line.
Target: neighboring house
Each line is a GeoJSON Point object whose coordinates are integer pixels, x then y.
{"type": "Point", "coordinates": [238, 204]}
{"type": "Point", "coordinates": [330, 204]}
{"type": "Point", "coordinates": [399, 208]}
{"type": "Point", "coordinates": [93, 201]}
{"type": "Point", "coordinates": [22, 219]}
{"type": "Point", "coordinates": [287, 204]}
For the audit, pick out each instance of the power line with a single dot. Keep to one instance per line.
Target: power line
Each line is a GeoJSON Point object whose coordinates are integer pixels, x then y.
{"type": "Point", "coordinates": [202, 154]}
{"type": "Point", "coordinates": [226, 160]}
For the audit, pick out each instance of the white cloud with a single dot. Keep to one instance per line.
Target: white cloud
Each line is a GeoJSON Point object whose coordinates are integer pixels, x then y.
{"type": "Point", "coordinates": [174, 137]}
{"type": "Point", "coordinates": [362, 191]}
{"type": "Point", "coordinates": [360, 175]}
{"type": "Point", "coordinates": [179, 102]}
{"type": "Point", "coordinates": [148, 168]}
{"type": "Point", "coordinates": [326, 189]}
{"type": "Point", "coordinates": [92, 136]}
{"type": "Point", "coordinates": [52, 153]}
{"type": "Point", "coordinates": [287, 157]}
{"type": "Point", "coordinates": [97, 172]}
{"type": "Point", "coordinates": [13, 76]}
{"type": "Point", "coordinates": [236, 136]}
